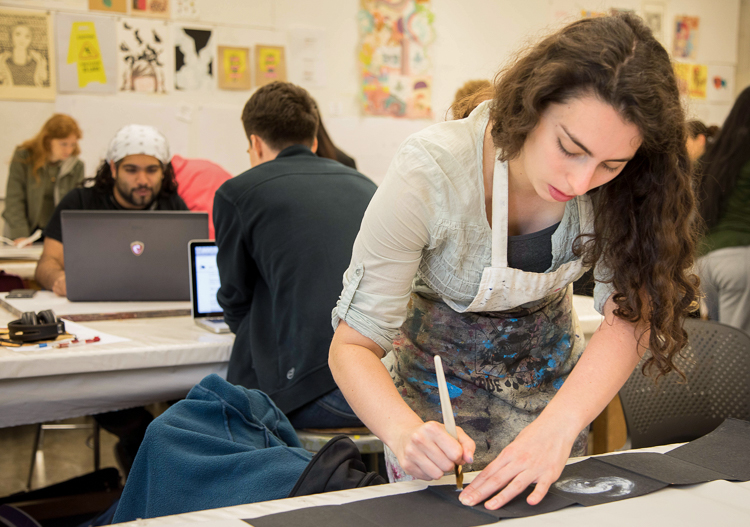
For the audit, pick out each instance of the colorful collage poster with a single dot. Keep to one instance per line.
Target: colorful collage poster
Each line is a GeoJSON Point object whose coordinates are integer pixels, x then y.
{"type": "Point", "coordinates": [685, 37]}
{"type": "Point", "coordinates": [109, 6]}
{"type": "Point", "coordinates": [143, 55]}
{"type": "Point", "coordinates": [152, 8]}
{"type": "Point", "coordinates": [395, 59]}
{"type": "Point", "coordinates": [234, 68]}
{"type": "Point", "coordinates": [692, 79]}
{"type": "Point", "coordinates": [270, 65]}
{"type": "Point", "coordinates": [194, 59]}
{"type": "Point", "coordinates": [27, 55]}
{"type": "Point", "coordinates": [86, 56]}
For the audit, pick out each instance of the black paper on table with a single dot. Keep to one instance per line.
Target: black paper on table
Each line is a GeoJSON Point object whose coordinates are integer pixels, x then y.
{"type": "Point", "coordinates": [415, 509]}
{"type": "Point", "coordinates": [592, 482]}
{"type": "Point", "coordinates": [516, 508]}
{"type": "Point", "coordinates": [328, 515]}
{"type": "Point", "coordinates": [663, 468]}
{"type": "Point", "coordinates": [725, 450]}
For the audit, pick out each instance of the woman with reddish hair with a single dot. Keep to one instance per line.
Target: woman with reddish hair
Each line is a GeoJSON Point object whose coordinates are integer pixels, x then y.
{"type": "Point", "coordinates": [42, 171]}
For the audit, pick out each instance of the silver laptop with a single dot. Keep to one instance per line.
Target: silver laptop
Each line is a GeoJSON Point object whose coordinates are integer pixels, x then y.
{"type": "Point", "coordinates": [129, 255]}
{"type": "Point", "coordinates": [204, 283]}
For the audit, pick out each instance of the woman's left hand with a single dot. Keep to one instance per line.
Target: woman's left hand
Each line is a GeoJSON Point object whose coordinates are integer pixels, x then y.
{"type": "Point", "coordinates": [537, 455]}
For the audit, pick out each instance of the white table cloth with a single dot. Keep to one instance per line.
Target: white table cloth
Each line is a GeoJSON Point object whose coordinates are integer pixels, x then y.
{"type": "Point", "coordinates": [715, 503]}
{"type": "Point", "coordinates": [163, 359]}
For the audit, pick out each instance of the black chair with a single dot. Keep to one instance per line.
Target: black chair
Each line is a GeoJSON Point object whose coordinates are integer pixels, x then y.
{"type": "Point", "coordinates": [716, 362]}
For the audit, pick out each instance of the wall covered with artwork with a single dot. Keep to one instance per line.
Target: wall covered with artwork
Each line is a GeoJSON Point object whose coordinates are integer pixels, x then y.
{"type": "Point", "coordinates": [379, 69]}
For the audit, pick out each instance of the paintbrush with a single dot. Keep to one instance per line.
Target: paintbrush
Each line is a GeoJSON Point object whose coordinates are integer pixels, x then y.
{"type": "Point", "coordinates": [448, 421]}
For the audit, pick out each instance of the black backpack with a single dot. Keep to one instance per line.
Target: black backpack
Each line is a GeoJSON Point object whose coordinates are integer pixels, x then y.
{"type": "Point", "coordinates": [336, 466]}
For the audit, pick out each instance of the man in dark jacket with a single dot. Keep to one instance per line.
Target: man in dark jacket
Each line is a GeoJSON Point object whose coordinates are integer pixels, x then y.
{"type": "Point", "coordinates": [285, 230]}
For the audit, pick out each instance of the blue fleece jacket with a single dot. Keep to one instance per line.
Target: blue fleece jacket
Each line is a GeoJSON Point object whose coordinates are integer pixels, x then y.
{"type": "Point", "coordinates": [223, 445]}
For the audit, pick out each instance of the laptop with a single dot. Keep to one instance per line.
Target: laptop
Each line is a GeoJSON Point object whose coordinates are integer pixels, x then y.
{"type": "Point", "coordinates": [117, 256]}
{"type": "Point", "coordinates": [204, 283]}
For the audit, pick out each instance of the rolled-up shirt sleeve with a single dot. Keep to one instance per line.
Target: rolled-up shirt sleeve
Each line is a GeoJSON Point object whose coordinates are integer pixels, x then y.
{"type": "Point", "coordinates": [388, 249]}
{"type": "Point", "coordinates": [603, 287]}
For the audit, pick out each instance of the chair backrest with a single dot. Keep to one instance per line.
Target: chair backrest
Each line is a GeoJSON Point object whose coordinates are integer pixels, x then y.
{"type": "Point", "coordinates": [716, 362]}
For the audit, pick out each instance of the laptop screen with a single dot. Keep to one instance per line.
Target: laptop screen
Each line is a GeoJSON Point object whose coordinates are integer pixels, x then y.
{"type": "Point", "coordinates": [205, 280]}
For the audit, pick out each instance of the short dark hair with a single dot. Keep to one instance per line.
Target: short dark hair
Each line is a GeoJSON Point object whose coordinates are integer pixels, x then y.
{"type": "Point", "coordinates": [282, 114]}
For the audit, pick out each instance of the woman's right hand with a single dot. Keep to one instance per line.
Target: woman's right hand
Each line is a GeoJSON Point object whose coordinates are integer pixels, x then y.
{"type": "Point", "coordinates": [427, 451]}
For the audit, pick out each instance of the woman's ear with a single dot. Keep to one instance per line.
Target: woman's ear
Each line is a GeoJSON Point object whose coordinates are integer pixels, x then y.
{"type": "Point", "coordinates": [314, 146]}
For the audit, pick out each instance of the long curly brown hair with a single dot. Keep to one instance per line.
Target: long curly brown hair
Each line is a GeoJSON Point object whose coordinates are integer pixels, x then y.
{"type": "Point", "coordinates": [645, 220]}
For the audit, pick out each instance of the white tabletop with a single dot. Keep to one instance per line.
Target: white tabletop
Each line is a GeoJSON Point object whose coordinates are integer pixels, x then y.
{"type": "Point", "coordinates": [162, 360]}
{"type": "Point", "coordinates": [587, 315]}
{"type": "Point", "coordinates": [30, 252]}
{"type": "Point", "coordinates": [715, 503]}
{"type": "Point", "coordinates": [87, 311]}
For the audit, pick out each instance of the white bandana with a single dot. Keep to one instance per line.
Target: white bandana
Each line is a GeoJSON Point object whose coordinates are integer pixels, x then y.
{"type": "Point", "coordinates": [137, 139]}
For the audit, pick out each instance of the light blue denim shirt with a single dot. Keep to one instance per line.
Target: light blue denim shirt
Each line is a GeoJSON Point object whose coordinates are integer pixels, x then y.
{"type": "Point", "coordinates": [426, 229]}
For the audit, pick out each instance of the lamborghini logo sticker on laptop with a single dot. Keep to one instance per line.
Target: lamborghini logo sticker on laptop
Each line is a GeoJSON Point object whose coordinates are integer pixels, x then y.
{"type": "Point", "coordinates": [137, 248]}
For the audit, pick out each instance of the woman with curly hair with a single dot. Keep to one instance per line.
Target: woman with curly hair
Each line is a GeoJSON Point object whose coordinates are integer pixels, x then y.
{"type": "Point", "coordinates": [469, 248]}
{"type": "Point", "coordinates": [42, 171]}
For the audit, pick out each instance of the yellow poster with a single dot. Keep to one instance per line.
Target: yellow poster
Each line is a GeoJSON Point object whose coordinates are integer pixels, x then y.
{"type": "Point", "coordinates": [698, 81]}
{"type": "Point", "coordinates": [692, 79]}
{"type": "Point", "coordinates": [682, 73]}
{"type": "Point", "coordinates": [234, 71]}
{"type": "Point", "coordinates": [270, 65]}
{"type": "Point", "coordinates": [84, 49]}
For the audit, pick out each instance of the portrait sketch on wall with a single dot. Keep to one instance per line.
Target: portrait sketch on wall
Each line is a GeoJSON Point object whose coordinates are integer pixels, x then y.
{"type": "Point", "coordinates": [143, 55]}
{"type": "Point", "coordinates": [194, 59]}
{"type": "Point", "coordinates": [27, 56]}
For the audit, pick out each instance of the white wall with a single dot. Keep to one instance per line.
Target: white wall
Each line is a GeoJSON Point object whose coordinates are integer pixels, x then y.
{"type": "Point", "coordinates": [474, 38]}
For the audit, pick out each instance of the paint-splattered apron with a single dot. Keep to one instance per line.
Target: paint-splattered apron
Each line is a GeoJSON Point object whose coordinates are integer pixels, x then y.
{"type": "Point", "coordinates": [504, 357]}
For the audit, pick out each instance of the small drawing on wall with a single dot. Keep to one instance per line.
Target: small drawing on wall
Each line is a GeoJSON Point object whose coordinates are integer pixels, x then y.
{"type": "Point", "coordinates": [685, 37]}
{"type": "Point", "coordinates": [194, 59]}
{"type": "Point", "coordinates": [152, 8]}
{"type": "Point", "coordinates": [143, 55]}
{"type": "Point", "coordinates": [109, 6]}
{"type": "Point", "coordinates": [653, 16]}
{"type": "Point", "coordinates": [86, 53]}
{"type": "Point", "coordinates": [720, 85]}
{"type": "Point", "coordinates": [692, 79]}
{"type": "Point", "coordinates": [270, 65]}
{"type": "Point", "coordinates": [234, 68]}
{"type": "Point", "coordinates": [27, 56]}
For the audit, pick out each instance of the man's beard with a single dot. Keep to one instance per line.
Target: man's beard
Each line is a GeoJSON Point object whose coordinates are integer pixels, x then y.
{"type": "Point", "coordinates": [136, 201]}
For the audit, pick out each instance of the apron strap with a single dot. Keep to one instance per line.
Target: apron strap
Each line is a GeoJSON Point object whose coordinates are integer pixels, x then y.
{"type": "Point", "coordinates": [500, 213]}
